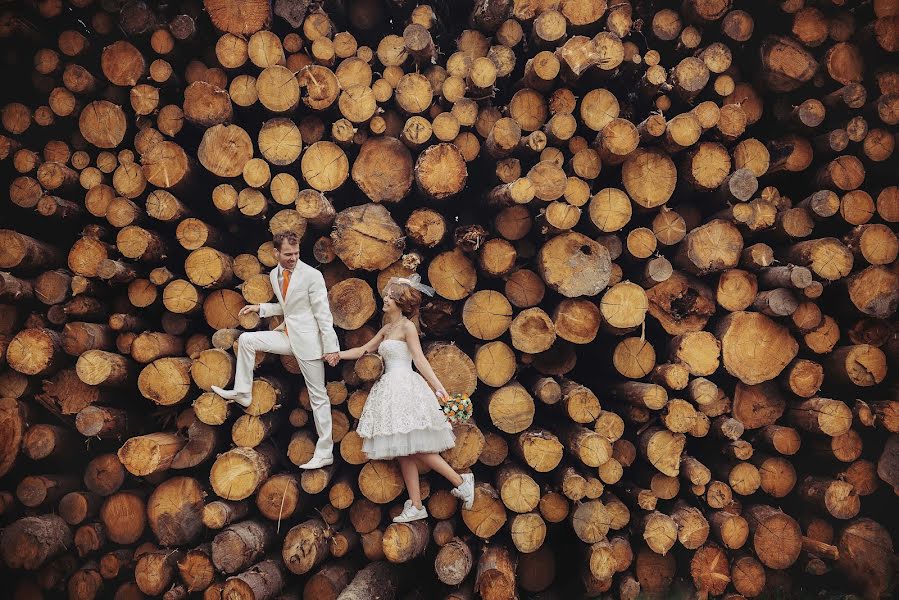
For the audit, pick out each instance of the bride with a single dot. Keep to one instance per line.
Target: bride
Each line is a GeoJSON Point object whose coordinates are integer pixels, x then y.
{"type": "Point", "coordinates": [402, 417]}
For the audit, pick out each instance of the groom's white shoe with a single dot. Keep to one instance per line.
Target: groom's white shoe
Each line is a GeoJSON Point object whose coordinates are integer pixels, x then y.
{"type": "Point", "coordinates": [318, 462]}
{"type": "Point", "coordinates": [242, 399]}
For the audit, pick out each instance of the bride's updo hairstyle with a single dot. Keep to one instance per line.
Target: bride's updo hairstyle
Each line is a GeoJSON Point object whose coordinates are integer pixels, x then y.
{"type": "Point", "coordinates": [407, 298]}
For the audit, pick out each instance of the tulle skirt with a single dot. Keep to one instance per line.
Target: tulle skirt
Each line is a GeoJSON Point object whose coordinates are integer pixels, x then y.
{"type": "Point", "coordinates": [402, 417]}
{"type": "Point", "coordinates": [420, 441]}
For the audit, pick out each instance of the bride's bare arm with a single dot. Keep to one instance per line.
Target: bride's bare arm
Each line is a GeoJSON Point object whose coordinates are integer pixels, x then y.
{"type": "Point", "coordinates": [418, 357]}
{"type": "Point", "coordinates": [371, 346]}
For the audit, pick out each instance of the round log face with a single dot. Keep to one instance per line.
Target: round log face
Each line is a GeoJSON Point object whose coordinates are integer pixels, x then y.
{"type": "Point", "coordinates": [470, 443]}
{"type": "Point", "coordinates": [380, 481]}
{"type": "Point", "coordinates": [453, 367]}
{"type": "Point", "coordinates": [33, 351]}
{"type": "Point", "coordinates": [366, 237]}
{"type": "Point", "coordinates": [577, 321]}
{"type": "Point", "coordinates": [221, 309]}
{"type": "Point", "coordinates": [495, 363]}
{"type": "Point", "coordinates": [239, 19]}
{"type": "Point", "coordinates": [511, 409]}
{"type": "Point", "coordinates": [165, 381]}
{"type": "Point", "coordinates": [440, 171]}
{"type": "Point", "coordinates": [875, 291]}
{"type": "Point", "coordinates": [165, 165]}
{"type": "Point", "coordinates": [236, 474]}
{"type": "Point", "coordinates": [280, 141]}
{"type": "Point", "coordinates": [103, 124]}
{"type": "Point", "coordinates": [175, 509]}
{"type": "Point", "coordinates": [452, 274]}
{"type": "Point", "coordinates": [352, 302]}
{"type": "Point", "coordinates": [225, 149]}
{"type": "Point", "coordinates": [383, 169]}
{"type": "Point", "coordinates": [574, 265]}
{"type": "Point", "coordinates": [122, 63]}
{"type": "Point", "coordinates": [207, 105]}
{"type": "Point", "coordinates": [325, 166]}
{"type": "Point", "coordinates": [487, 315]}
{"type": "Point", "coordinates": [649, 177]}
{"type": "Point", "coordinates": [624, 305]}
{"type": "Point", "coordinates": [754, 348]}
{"type": "Point", "coordinates": [487, 515]}
{"type": "Point", "coordinates": [278, 89]}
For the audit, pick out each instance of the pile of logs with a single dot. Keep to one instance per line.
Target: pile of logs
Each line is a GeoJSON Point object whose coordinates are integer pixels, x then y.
{"type": "Point", "coordinates": [662, 236]}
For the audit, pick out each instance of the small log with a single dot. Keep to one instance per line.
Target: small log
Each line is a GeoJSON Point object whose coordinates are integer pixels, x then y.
{"type": "Point", "coordinates": [379, 579]}
{"type": "Point", "coordinates": [240, 545]}
{"type": "Point", "coordinates": [29, 542]}
{"type": "Point", "coordinates": [776, 537]}
{"type": "Point", "coordinates": [236, 474]}
{"type": "Point", "coordinates": [262, 581]}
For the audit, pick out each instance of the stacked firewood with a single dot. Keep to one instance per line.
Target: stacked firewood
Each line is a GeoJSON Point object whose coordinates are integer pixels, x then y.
{"type": "Point", "coordinates": [662, 237]}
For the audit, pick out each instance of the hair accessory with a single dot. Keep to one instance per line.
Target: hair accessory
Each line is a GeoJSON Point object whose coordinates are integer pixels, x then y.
{"type": "Point", "coordinates": [414, 281]}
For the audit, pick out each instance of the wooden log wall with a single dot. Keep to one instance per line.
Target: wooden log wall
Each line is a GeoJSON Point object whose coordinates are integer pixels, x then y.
{"type": "Point", "coordinates": [663, 239]}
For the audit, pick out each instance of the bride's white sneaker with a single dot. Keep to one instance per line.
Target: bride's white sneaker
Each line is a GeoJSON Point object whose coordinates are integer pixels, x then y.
{"type": "Point", "coordinates": [241, 398]}
{"type": "Point", "coordinates": [465, 491]}
{"type": "Point", "coordinates": [318, 462]}
{"type": "Point", "coordinates": [410, 513]}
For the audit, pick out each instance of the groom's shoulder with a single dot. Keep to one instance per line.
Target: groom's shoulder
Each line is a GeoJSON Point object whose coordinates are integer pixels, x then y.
{"type": "Point", "coordinates": [310, 269]}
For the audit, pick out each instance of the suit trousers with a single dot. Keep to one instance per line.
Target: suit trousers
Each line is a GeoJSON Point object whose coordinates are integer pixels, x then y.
{"type": "Point", "coordinates": [276, 342]}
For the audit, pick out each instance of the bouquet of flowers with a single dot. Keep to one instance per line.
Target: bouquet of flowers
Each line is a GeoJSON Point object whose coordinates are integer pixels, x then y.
{"type": "Point", "coordinates": [456, 407]}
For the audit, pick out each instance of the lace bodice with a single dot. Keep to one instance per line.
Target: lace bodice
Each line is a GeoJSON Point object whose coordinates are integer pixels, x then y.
{"type": "Point", "coordinates": [396, 355]}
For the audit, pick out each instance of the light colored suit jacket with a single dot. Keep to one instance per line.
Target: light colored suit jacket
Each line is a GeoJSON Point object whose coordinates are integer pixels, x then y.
{"type": "Point", "coordinates": [310, 326]}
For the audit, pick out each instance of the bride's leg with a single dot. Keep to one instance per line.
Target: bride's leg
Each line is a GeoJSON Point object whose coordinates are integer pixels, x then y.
{"type": "Point", "coordinates": [436, 462]}
{"type": "Point", "coordinates": [423, 467]}
{"type": "Point", "coordinates": [410, 476]}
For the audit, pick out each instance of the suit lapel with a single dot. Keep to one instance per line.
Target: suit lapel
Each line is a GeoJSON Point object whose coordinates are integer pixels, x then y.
{"type": "Point", "coordinates": [275, 285]}
{"type": "Point", "coordinates": [292, 286]}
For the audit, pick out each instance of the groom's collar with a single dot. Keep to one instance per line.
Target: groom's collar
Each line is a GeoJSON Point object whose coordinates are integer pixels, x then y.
{"type": "Point", "coordinates": [299, 266]}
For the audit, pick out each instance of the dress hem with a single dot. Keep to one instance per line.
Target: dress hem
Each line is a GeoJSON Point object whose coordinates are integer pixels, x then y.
{"type": "Point", "coordinates": [418, 441]}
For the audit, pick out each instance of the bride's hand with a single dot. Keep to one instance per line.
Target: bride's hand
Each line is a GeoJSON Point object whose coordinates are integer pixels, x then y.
{"type": "Point", "coordinates": [441, 393]}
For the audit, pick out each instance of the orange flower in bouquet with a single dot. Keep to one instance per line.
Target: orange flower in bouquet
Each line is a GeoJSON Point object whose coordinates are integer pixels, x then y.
{"type": "Point", "coordinates": [456, 407]}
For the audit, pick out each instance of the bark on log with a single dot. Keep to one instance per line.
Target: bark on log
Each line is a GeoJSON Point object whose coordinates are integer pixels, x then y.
{"type": "Point", "coordinates": [29, 542]}
{"type": "Point", "coordinates": [379, 579]}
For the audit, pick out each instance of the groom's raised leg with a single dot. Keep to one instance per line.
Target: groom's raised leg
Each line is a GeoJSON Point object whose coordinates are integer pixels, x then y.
{"type": "Point", "coordinates": [314, 374]}
{"type": "Point", "coordinates": [247, 345]}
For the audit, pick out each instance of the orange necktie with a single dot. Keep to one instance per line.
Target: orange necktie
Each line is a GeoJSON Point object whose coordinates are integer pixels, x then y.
{"type": "Point", "coordinates": [285, 283]}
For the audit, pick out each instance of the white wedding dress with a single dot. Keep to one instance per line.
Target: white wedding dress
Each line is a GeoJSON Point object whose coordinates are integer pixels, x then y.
{"type": "Point", "coordinates": [401, 415]}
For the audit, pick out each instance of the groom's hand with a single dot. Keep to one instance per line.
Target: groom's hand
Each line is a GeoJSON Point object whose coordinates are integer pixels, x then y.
{"type": "Point", "coordinates": [332, 358]}
{"type": "Point", "coordinates": [249, 308]}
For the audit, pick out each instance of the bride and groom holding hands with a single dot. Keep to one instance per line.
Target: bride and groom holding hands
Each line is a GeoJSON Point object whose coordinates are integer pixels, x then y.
{"type": "Point", "coordinates": [402, 418]}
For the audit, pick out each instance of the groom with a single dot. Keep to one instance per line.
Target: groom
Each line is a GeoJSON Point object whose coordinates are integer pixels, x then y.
{"type": "Point", "coordinates": [307, 333]}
